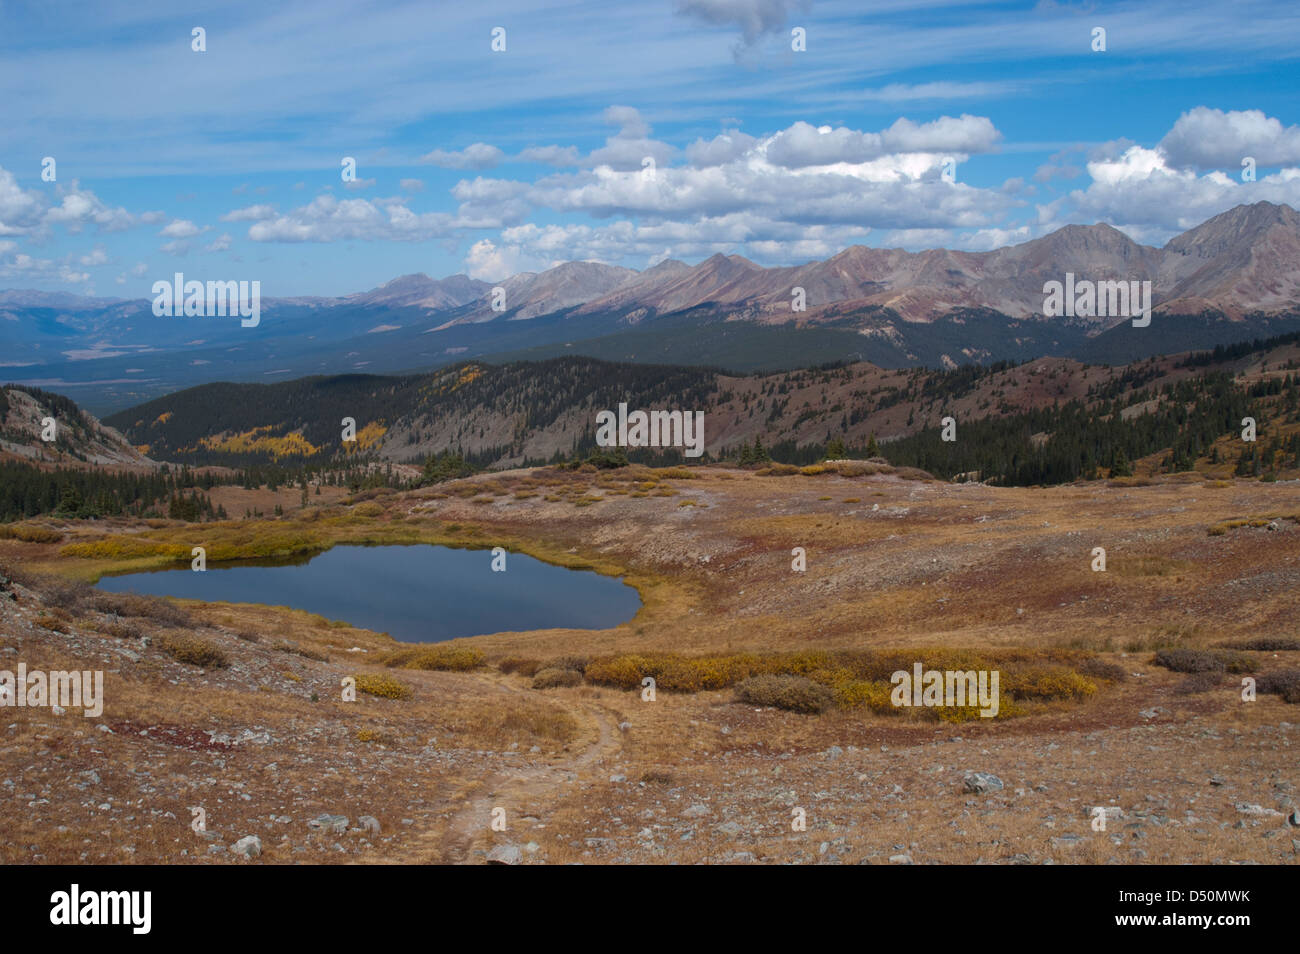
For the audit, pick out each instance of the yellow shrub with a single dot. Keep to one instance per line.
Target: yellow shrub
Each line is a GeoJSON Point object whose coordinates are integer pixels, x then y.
{"type": "Point", "coordinates": [454, 658]}
{"type": "Point", "coordinates": [873, 696]}
{"type": "Point", "coordinates": [382, 685]}
{"type": "Point", "coordinates": [30, 533]}
{"type": "Point", "coordinates": [1046, 683]}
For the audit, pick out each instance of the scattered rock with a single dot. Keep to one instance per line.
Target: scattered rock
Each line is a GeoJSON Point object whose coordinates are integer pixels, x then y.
{"type": "Point", "coordinates": [981, 783]}
{"type": "Point", "coordinates": [250, 846]}
{"type": "Point", "coordinates": [505, 855]}
{"type": "Point", "coordinates": [335, 823]}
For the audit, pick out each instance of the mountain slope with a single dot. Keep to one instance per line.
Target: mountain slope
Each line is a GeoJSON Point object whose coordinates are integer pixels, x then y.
{"type": "Point", "coordinates": [531, 411]}
{"type": "Point", "coordinates": [80, 439]}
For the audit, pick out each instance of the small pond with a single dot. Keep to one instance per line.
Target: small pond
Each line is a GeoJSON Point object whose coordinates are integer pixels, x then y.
{"type": "Point", "coordinates": [416, 594]}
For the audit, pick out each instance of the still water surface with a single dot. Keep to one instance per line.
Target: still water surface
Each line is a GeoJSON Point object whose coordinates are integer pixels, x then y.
{"type": "Point", "coordinates": [416, 594]}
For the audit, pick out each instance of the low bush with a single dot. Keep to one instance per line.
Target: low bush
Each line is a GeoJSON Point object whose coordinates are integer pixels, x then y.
{"type": "Point", "coordinates": [193, 651]}
{"type": "Point", "coordinates": [1199, 682]}
{"type": "Point", "coordinates": [120, 630]}
{"type": "Point", "coordinates": [144, 607]}
{"type": "Point", "coordinates": [522, 665]}
{"type": "Point", "coordinates": [792, 693]}
{"type": "Point", "coordinates": [1284, 683]}
{"type": "Point", "coordinates": [1203, 660]}
{"type": "Point", "coordinates": [383, 685]}
{"type": "Point", "coordinates": [1100, 669]}
{"type": "Point", "coordinates": [554, 678]}
{"type": "Point", "coordinates": [433, 657]}
{"type": "Point", "coordinates": [1266, 644]}
{"type": "Point", "coordinates": [29, 533]}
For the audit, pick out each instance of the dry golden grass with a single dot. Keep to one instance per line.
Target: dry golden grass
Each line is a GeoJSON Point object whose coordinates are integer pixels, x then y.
{"type": "Point", "coordinates": [940, 573]}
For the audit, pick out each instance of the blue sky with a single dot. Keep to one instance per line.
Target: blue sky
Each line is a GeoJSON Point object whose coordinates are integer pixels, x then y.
{"type": "Point", "coordinates": [226, 163]}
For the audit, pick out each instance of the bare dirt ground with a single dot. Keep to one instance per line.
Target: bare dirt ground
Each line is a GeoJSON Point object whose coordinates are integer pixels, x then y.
{"type": "Point", "coordinates": [266, 746]}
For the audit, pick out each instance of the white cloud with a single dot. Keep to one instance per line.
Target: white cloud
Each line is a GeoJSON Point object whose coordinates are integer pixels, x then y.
{"type": "Point", "coordinates": [78, 208]}
{"type": "Point", "coordinates": [251, 213]}
{"type": "Point", "coordinates": [720, 150]}
{"type": "Point", "coordinates": [480, 155]}
{"type": "Point", "coordinates": [19, 209]}
{"type": "Point", "coordinates": [1139, 190]}
{"type": "Point", "coordinates": [22, 266]}
{"type": "Point", "coordinates": [329, 219]}
{"type": "Point", "coordinates": [488, 263]}
{"type": "Point", "coordinates": [1205, 138]}
{"type": "Point", "coordinates": [412, 185]}
{"type": "Point", "coordinates": [180, 229]}
{"type": "Point", "coordinates": [628, 148]}
{"type": "Point", "coordinates": [220, 244]}
{"type": "Point", "coordinates": [802, 145]}
{"type": "Point", "coordinates": [96, 257]}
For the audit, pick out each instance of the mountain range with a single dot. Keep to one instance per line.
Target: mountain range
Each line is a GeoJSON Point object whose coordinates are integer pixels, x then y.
{"type": "Point", "coordinates": [1234, 277]}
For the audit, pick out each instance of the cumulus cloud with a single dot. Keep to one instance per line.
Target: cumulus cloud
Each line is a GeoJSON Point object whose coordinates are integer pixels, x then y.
{"type": "Point", "coordinates": [20, 210]}
{"type": "Point", "coordinates": [1140, 190]}
{"type": "Point", "coordinates": [329, 219]}
{"type": "Point", "coordinates": [220, 244]}
{"type": "Point", "coordinates": [251, 213]}
{"type": "Point", "coordinates": [180, 229]}
{"type": "Point", "coordinates": [96, 257]}
{"type": "Point", "coordinates": [803, 144]}
{"type": "Point", "coordinates": [480, 155]}
{"type": "Point", "coordinates": [30, 212]}
{"type": "Point", "coordinates": [79, 207]}
{"type": "Point", "coordinates": [628, 148]}
{"type": "Point", "coordinates": [1205, 139]}
{"type": "Point", "coordinates": [489, 262]}
{"type": "Point", "coordinates": [720, 150]}
{"type": "Point", "coordinates": [24, 267]}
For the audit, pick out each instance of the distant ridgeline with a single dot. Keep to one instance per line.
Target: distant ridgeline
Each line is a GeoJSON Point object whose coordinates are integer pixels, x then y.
{"type": "Point", "coordinates": [1186, 412]}
{"type": "Point", "coordinates": [484, 415]}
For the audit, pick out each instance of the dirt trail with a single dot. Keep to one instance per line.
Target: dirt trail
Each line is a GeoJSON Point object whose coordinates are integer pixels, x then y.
{"type": "Point", "coordinates": [533, 785]}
